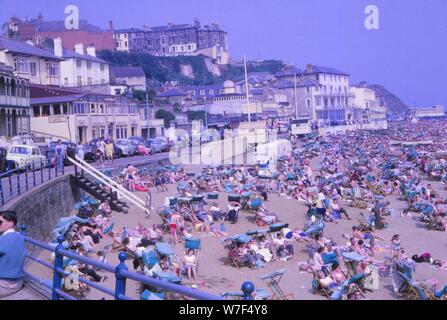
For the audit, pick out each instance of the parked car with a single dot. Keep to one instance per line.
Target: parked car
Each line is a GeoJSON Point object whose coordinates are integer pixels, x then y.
{"type": "Point", "coordinates": [92, 146]}
{"type": "Point", "coordinates": [127, 147]}
{"type": "Point", "coordinates": [140, 145]}
{"type": "Point", "coordinates": [155, 145]}
{"type": "Point", "coordinates": [70, 148]}
{"type": "Point", "coordinates": [5, 165]}
{"type": "Point", "coordinates": [165, 143]}
{"type": "Point", "coordinates": [25, 156]}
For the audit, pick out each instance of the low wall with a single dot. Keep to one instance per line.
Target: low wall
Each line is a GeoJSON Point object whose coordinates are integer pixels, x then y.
{"type": "Point", "coordinates": [40, 208]}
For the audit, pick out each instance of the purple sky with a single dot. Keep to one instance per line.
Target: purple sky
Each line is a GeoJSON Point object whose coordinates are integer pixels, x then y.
{"type": "Point", "coordinates": [408, 54]}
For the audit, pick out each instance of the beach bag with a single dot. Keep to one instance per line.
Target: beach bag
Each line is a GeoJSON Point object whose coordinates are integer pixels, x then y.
{"type": "Point", "coordinates": [371, 281]}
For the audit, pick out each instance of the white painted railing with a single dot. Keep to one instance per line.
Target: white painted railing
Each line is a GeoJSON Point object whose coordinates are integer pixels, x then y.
{"type": "Point", "coordinates": [107, 181]}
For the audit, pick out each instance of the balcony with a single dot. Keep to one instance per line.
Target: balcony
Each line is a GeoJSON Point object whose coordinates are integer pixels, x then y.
{"type": "Point", "coordinates": [14, 101]}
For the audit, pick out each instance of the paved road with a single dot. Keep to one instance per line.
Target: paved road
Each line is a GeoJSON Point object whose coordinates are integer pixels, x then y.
{"type": "Point", "coordinates": [17, 183]}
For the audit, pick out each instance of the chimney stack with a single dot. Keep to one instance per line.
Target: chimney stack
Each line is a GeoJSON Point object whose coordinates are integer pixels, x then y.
{"type": "Point", "coordinates": [91, 51]}
{"type": "Point", "coordinates": [79, 48]}
{"type": "Point", "coordinates": [111, 25]}
{"type": "Point", "coordinates": [309, 68]}
{"type": "Point", "coordinates": [196, 23]}
{"type": "Point", "coordinates": [58, 47]}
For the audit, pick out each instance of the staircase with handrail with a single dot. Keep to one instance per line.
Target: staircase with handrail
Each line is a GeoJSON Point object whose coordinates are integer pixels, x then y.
{"type": "Point", "coordinates": [117, 191]}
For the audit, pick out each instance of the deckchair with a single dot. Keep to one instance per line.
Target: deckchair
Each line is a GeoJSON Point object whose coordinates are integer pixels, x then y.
{"type": "Point", "coordinates": [351, 260]}
{"type": "Point", "coordinates": [259, 294]}
{"type": "Point", "coordinates": [272, 281]}
{"type": "Point", "coordinates": [411, 289]}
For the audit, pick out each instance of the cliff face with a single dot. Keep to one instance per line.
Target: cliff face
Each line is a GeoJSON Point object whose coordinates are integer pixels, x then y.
{"type": "Point", "coordinates": [187, 70]}
{"type": "Point", "coordinates": [393, 103]}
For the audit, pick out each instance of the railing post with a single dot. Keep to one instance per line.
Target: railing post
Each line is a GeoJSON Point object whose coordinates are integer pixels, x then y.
{"type": "Point", "coordinates": [63, 166]}
{"type": "Point", "coordinates": [55, 167]}
{"type": "Point", "coordinates": [1, 191]}
{"type": "Point", "coordinates": [58, 262]}
{"type": "Point", "coordinates": [120, 284]}
{"type": "Point", "coordinates": [10, 184]}
{"type": "Point", "coordinates": [26, 178]}
{"type": "Point", "coordinates": [248, 288]}
{"type": "Point", "coordinates": [34, 174]}
{"type": "Point", "coordinates": [76, 170]}
{"type": "Point", "coordinates": [18, 182]}
{"type": "Point", "coordinates": [23, 229]}
{"type": "Point", "coordinates": [49, 169]}
{"type": "Point", "coordinates": [41, 171]}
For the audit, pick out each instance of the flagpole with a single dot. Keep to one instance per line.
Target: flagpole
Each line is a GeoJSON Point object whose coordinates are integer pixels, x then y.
{"type": "Point", "coordinates": [246, 89]}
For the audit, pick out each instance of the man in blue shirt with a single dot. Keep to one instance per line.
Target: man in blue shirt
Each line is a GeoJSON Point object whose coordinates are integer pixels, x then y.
{"type": "Point", "coordinates": [12, 255]}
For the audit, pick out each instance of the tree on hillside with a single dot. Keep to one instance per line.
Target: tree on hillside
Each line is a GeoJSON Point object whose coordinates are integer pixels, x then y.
{"type": "Point", "coordinates": [166, 116]}
{"type": "Point", "coordinates": [140, 95]}
{"type": "Point", "coordinates": [196, 115]}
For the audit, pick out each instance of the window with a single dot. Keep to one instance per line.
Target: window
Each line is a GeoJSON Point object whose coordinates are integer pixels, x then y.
{"type": "Point", "coordinates": [89, 65]}
{"type": "Point", "coordinates": [189, 47]}
{"type": "Point", "coordinates": [317, 77]}
{"type": "Point", "coordinates": [92, 108]}
{"type": "Point", "coordinates": [103, 81]}
{"type": "Point", "coordinates": [89, 81]}
{"type": "Point", "coordinates": [33, 69]}
{"type": "Point", "coordinates": [21, 64]}
{"type": "Point", "coordinates": [66, 82]}
{"type": "Point", "coordinates": [79, 80]}
{"type": "Point", "coordinates": [183, 48]}
{"type": "Point", "coordinates": [211, 91]}
{"type": "Point", "coordinates": [308, 89]}
{"type": "Point", "coordinates": [102, 66]}
{"type": "Point", "coordinates": [318, 101]}
{"type": "Point", "coordinates": [51, 69]}
{"type": "Point", "coordinates": [202, 92]}
{"type": "Point", "coordinates": [308, 103]}
{"type": "Point", "coordinates": [79, 63]}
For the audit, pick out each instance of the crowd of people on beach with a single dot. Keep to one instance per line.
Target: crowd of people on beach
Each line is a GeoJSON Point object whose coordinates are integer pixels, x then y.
{"type": "Point", "coordinates": [365, 170]}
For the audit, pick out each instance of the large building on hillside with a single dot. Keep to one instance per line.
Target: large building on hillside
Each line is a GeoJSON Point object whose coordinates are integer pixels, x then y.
{"type": "Point", "coordinates": [38, 65]}
{"type": "Point", "coordinates": [322, 93]}
{"type": "Point", "coordinates": [365, 107]}
{"type": "Point", "coordinates": [81, 67]}
{"type": "Point", "coordinates": [38, 30]}
{"type": "Point", "coordinates": [172, 40]}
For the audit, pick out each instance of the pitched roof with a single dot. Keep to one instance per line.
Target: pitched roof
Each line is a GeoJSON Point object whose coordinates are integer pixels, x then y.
{"type": "Point", "coordinates": [26, 49]}
{"type": "Point", "coordinates": [73, 54]}
{"type": "Point", "coordinates": [285, 84]}
{"type": "Point", "coordinates": [289, 72]}
{"type": "Point", "coordinates": [59, 26]}
{"type": "Point", "coordinates": [327, 70]}
{"type": "Point", "coordinates": [128, 72]}
{"type": "Point", "coordinates": [172, 27]}
{"type": "Point", "coordinates": [128, 30]}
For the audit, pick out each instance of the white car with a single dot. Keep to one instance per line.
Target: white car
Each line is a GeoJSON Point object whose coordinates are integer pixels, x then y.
{"type": "Point", "coordinates": [25, 156]}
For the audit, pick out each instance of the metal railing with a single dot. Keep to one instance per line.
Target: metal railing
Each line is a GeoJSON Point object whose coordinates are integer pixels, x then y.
{"type": "Point", "coordinates": [17, 181]}
{"type": "Point", "coordinates": [107, 181]}
{"type": "Point", "coordinates": [122, 274]}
